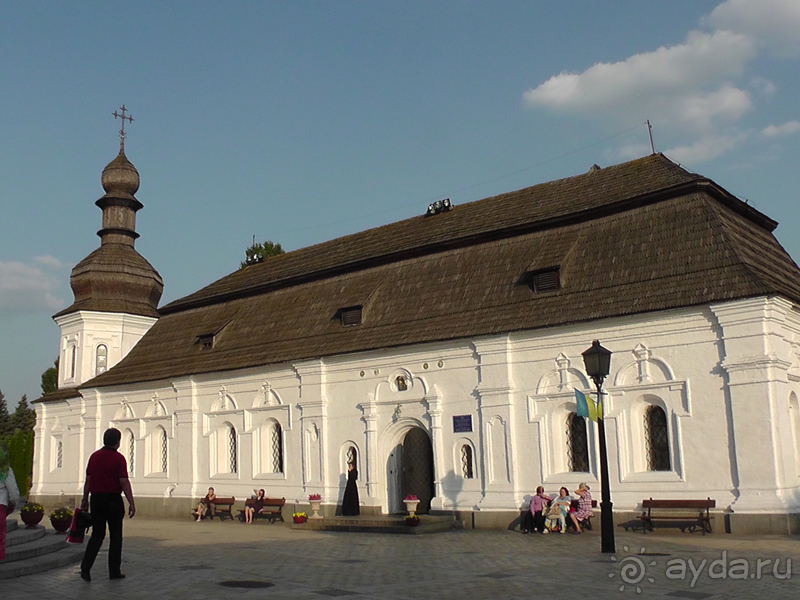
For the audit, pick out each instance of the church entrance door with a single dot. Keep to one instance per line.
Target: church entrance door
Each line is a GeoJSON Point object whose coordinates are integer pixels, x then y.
{"type": "Point", "coordinates": [417, 468]}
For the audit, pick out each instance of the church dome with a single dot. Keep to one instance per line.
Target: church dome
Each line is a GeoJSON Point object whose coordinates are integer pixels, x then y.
{"type": "Point", "coordinates": [115, 278]}
{"type": "Point", "coordinates": [120, 179]}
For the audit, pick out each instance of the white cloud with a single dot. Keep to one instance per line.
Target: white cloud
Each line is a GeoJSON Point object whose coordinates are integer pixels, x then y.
{"type": "Point", "coordinates": [51, 262]}
{"type": "Point", "coordinates": [696, 94]}
{"type": "Point", "coordinates": [628, 152]}
{"type": "Point", "coordinates": [788, 128]}
{"type": "Point", "coordinates": [683, 85]}
{"type": "Point", "coordinates": [705, 148]}
{"type": "Point", "coordinates": [26, 289]}
{"type": "Point", "coordinates": [763, 86]}
{"type": "Point", "coordinates": [775, 24]}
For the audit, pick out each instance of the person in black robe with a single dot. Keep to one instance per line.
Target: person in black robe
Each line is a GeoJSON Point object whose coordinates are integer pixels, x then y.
{"type": "Point", "coordinates": [350, 504]}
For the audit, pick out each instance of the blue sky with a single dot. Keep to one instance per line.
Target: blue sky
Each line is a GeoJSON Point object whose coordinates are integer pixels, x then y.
{"type": "Point", "coordinates": [304, 121]}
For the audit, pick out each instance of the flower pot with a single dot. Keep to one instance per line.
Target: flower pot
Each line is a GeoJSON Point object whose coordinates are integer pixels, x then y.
{"type": "Point", "coordinates": [411, 506]}
{"type": "Point", "coordinates": [32, 519]}
{"type": "Point", "coordinates": [300, 519]}
{"type": "Point", "coordinates": [315, 504]}
{"type": "Point", "coordinates": [61, 525]}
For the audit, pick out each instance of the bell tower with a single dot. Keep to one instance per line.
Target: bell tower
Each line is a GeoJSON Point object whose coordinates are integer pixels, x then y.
{"type": "Point", "coordinates": [116, 291]}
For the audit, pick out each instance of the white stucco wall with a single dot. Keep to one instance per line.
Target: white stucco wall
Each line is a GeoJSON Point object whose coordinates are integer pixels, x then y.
{"type": "Point", "coordinates": [725, 375]}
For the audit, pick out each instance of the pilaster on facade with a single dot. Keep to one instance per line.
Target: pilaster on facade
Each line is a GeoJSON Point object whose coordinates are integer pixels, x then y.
{"type": "Point", "coordinates": [372, 462]}
{"type": "Point", "coordinates": [756, 360]}
{"type": "Point", "coordinates": [313, 407]}
{"type": "Point", "coordinates": [496, 417]}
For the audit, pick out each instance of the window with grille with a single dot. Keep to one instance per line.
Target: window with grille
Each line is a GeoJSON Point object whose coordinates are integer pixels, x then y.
{"type": "Point", "coordinates": [101, 359]}
{"type": "Point", "coordinates": [59, 454]}
{"type": "Point", "coordinates": [131, 452]}
{"type": "Point", "coordinates": [277, 448]}
{"type": "Point", "coordinates": [577, 444]}
{"type": "Point", "coordinates": [351, 316]}
{"type": "Point", "coordinates": [466, 462]}
{"type": "Point", "coordinates": [164, 454]}
{"type": "Point", "coordinates": [657, 439]}
{"type": "Point", "coordinates": [232, 466]}
{"type": "Point", "coordinates": [545, 280]}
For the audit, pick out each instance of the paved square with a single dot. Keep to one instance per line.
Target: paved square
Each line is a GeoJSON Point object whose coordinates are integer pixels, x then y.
{"type": "Point", "coordinates": [183, 559]}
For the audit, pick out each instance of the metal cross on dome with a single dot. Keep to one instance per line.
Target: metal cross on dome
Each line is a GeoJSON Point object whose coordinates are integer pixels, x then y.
{"type": "Point", "coordinates": [124, 117]}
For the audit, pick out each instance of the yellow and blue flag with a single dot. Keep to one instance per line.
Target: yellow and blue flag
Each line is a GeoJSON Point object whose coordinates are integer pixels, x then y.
{"type": "Point", "coordinates": [586, 406]}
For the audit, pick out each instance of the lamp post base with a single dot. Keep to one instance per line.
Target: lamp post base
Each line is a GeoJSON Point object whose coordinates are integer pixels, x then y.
{"type": "Point", "coordinates": [608, 545]}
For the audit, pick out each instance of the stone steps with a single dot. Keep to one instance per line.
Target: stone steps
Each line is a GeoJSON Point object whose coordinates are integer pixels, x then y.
{"type": "Point", "coordinates": [382, 524]}
{"type": "Point", "coordinates": [35, 550]}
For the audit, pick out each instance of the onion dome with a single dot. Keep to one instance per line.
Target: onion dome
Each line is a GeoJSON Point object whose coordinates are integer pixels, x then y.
{"type": "Point", "coordinates": [120, 179]}
{"type": "Point", "coordinates": [115, 277]}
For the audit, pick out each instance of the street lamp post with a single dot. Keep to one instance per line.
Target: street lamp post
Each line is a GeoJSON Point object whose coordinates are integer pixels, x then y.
{"type": "Point", "coordinates": [598, 364]}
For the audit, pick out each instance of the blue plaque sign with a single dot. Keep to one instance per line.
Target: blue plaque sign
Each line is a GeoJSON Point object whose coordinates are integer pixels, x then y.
{"type": "Point", "coordinates": [462, 423]}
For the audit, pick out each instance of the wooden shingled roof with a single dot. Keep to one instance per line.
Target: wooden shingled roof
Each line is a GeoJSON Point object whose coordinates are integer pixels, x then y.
{"type": "Point", "coordinates": [642, 236]}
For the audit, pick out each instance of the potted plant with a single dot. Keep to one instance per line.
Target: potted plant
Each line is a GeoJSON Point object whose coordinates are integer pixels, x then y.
{"type": "Point", "coordinates": [315, 500]}
{"type": "Point", "coordinates": [60, 519]}
{"type": "Point", "coordinates": [412, 520]}
{"type": "Point", "coordinates": [411, 502]}
{"type": "Point", "coordinates": [31, 514]}
{"type": "Point", "coordinates": [299, 517]}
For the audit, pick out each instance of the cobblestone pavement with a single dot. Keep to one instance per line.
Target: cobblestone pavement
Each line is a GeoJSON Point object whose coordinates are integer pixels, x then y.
{"type": "Point", "coordinates": [183, 559]}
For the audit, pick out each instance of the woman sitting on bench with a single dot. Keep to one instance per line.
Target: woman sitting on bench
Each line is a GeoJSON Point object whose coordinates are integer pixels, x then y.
{"type": "Point", "coordinates": [255, 507]}
{"type": "Point", "coordinates": [206, 506]}
{"type": "Point", "coordinates": [584, 507]}
{"type": "Point", "coordinates": [557, 512]}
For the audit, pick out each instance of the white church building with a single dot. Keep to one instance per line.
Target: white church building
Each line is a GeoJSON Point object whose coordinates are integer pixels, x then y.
{"type": "Point", "coordinates": [440, 355]}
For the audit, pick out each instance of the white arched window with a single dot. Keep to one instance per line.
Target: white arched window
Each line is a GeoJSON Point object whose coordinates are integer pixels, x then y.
{"type": "Point", "coordinates": [268, 448]}
{"type": "Point", "coordinates": [100, 359]}
{"type": "Point", "coordinates": [577, 444]}
{"type": "Point", "coordinates": [158, 450]}
{"type": "Point", "coordinates": [225, 450]}
{"type": "Point", "coordinates": [656, 436]}
{"type": "Point", "coordinates": [467, 460]}
{"type": "Point", "coordinates": [130, 446]}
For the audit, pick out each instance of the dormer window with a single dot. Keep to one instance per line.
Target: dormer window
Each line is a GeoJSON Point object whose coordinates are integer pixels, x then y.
{"type": "Point", "coordinates": [351, 316]}
{"type": "Point", "coordinates": [206, 341]}
{"type": "Point", "coordinates": [545, 280]}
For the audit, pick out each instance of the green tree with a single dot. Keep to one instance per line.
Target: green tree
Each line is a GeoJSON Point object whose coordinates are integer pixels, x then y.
{"type": "Point", "coordinates": [5, 421]}
{"type": "Point", "coordinates": [260, 251]}
{"type": "Point", "coordinates": [50, 379]}
{"type": "Point", "coordinates": [24, 418]}
{"type": "Point", "coordinates": [20, 450]}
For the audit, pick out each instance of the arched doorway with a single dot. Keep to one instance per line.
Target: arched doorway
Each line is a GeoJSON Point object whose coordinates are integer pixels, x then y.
{"type": "Point", "coordinates": [410, 471]}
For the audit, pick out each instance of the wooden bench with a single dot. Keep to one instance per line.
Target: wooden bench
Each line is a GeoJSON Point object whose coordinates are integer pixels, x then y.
{"type": "Point", "coordinates": [222, 509]}
{"type": "Point", "coordinates": [272, 510]}
{"type": "Point", "coordinates": [690, 511]}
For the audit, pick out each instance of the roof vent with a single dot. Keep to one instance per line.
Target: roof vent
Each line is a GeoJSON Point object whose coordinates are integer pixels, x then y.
{"type": "Point", "coordinates": [350, 316]}
{"type": "Point", "coordinates": [545, 280]}
{"type": "Point", "coordinates": [438, 207]}
{"type": "Point", "coordinates": [594, 168]}
{"type": "Point", "coordinates": [206, 341]}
